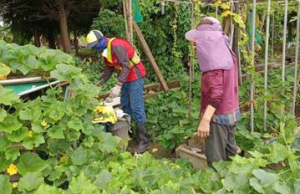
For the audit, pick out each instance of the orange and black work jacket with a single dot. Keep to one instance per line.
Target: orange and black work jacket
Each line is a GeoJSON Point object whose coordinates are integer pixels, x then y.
{"type": "Point", "coordinates": [122, 57]}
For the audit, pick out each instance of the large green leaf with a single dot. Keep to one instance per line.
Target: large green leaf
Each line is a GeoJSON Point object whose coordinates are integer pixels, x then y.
{"type": "Point", "coordinates": [108, 143]}
{"type": "Point", "coordinates": [266, 178]}
{"type": "Point", "coordinates": [56, 132]}
{"type": "Point", "coordinates": [4, 143]}
{"type": "Point", "coordinates": [12, 154]}
{"type": "Point", "coordinates": [254, 182]}
{"type": "Point", "coordinates": [282, 188]}
{"type": "Point", "coordinates": [47, 60]}
{"type": "Point", "coordinates": [47, 189]}
{"type": "Point", "coordinates": [233, 182]}
{"type": "Point", "coordinates": [82, 185]}
{"type": "Point", "coordinates": [56, 114]}
{"type": "Point", "coordinates": [7, 96]}
{"type": "Point", "coordinates": [30, 181]}
{"type": "Point", "coordinates": [5, 186]}
{"type": "Point", "coordinates": [65, 72]}
{"type": "Point", "coordinates": [103, 179]}
{"type": "Point", "coordinates": [31, 62]}
{"type": "Point", "coordinates": [297, 186]}
{"type": "Point", "coordinates": [278, 153]}
{"type": "Point", "coordinates": [18, 135]}
{"type": "Point", "coordinates": [34, 140]}
{"type": "Point", "coordinates": [30, 162]}
{"type": "Point", "coordinates": [32, 113]}
{"type": "Point", "coordinates": [75, 123]}
{"type": "Point", "coordinates": [79, 156]}
{"type": "Point", "coordinates": [4, 164]}
{"type": "Point", "coordinates": [3, 114]}
{"type": "Point", "coordinates": [10, 124]}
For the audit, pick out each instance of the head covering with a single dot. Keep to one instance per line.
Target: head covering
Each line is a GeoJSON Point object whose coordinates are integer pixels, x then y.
{"type": "Point", "coordinates": [212, 47]}
{"type": "Point", "coordinates": [102, 44]}
{"type": "Point", "coordinates": [93, 37]}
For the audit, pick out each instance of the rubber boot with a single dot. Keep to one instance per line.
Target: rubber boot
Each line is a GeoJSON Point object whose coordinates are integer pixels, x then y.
{"type": "Point", "coordinates": [143, 139]}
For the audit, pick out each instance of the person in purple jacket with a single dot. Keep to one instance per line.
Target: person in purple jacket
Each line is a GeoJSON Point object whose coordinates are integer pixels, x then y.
{"type": "Point", "coordinates": [219, 89]}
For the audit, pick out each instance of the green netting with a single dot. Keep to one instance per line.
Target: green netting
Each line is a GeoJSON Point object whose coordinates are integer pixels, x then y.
{"type": "Point", "coordinates": [258, 38]}
{"type": "Point", "coordinates": [18, 88]}
{"type": "Point", "coordinates": [136, 11]}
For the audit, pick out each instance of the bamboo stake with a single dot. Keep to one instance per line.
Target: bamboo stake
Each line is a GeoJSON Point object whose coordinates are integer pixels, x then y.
{"type": "Point", "coordinates": [284, 50]}
{"type": "Point", "coordinates": [125, 18]}
{"type": "Point", "coordinates": [284, 40]}
{"type": "Point", "coordinates": [191, 69]}
{"type": "Point", "coordinates": [130, 27]}
{"type": "Point", "coordinates": [231, 24]}
{"type": "Point", "coordinates": [266, 62]}
{"type": "Point", "coordinates": [296, 61]}
{"type": "Point", "coordinates": [190, 91]}
{"type": "Point", "coordinates": [253, 58]}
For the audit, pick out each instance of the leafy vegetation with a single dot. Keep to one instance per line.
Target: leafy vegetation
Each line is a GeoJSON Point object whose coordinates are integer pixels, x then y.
{"type": "Point", "coordinates": [49, 144]}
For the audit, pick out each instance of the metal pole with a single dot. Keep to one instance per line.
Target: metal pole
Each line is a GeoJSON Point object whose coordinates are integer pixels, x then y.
{"type": "Point", "coordinates": [266, 63]}
{"type": "Point", "coordinates": [296, 60]}
{"type": "Point", "coordinates": [253, 58]}
{"type": "Point", "coordinates": [217, 9]}
{"type": "Point", "coordinates": [284, 40]}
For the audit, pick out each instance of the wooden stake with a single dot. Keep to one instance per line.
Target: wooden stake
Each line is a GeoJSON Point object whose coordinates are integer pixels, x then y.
{"type": "Point", "coordinates": [130, 28]}
{"type": "Point", "coordinates": [150, 56]}
{"type": "Point", "coordinates": [125, 18]}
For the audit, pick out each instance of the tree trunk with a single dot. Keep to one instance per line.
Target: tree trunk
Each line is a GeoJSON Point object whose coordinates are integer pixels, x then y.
{"type": "Point", "coordinates": [51, 38]}
{"type": "Point", "coordinates": [76, 42]}
{"type": "Point", "coordinates": [37, 42]}
{"type": "Point", "coordinates": [64, 28]}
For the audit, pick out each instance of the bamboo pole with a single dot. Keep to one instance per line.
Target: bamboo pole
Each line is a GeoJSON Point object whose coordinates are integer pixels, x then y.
{"type": "Point", "coordinates": [284, 40]}
{"type": "Point", "coordinates": [125, 18]}
{"type": "Point", "coordinates": [253, 58]}
{"type": "Point", "coordinates": [272, 40]}
{"type": "Point", "coordinates": [231, 24]}
{"type": "Point", "coordinates": [266, 63]}
{"type": "Point", "coordinates": [284, 51]}
{"type": "Point", "coordinates": [296, 61]}
{"type": "Point", "coordinates": [130, 27]}
{"type": "Point", "coordinates": [191, 69]}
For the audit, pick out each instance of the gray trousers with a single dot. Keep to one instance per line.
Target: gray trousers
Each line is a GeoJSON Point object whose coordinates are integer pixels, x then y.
{"type": "Point", "coordinates": [220, 144]}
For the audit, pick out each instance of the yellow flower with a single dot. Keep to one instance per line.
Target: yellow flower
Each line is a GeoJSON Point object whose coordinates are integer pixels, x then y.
{"type": "Point", "coordinates": [44, 123]}
{"type": "Point", "coordinates": [12, 169]}
{"type": "Point", "coordinates": [15, 184]}
{"type": "Point", "coordinates": [63, 159]}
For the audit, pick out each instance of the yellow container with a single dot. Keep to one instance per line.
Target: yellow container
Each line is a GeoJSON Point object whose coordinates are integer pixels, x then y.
{"type": "Point", "coordinates": [4, 71]}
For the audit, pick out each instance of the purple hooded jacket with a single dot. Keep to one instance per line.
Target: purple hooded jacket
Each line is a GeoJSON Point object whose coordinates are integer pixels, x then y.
{"type": "Point", "coordinates": [219, 82]}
